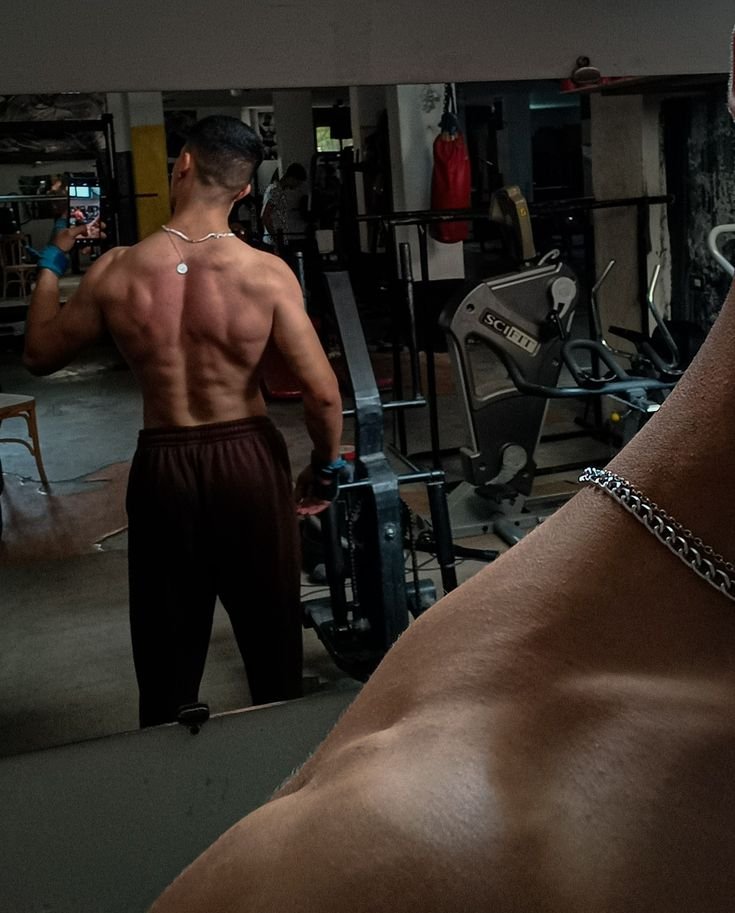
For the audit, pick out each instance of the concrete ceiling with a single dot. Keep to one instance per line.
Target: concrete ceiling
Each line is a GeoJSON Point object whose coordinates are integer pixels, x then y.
{"type": "Point", "coordinates": [247, 98]}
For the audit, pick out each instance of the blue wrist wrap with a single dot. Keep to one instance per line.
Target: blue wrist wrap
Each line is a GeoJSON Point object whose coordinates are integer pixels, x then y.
{"type": "Point", "coordinates": [326, 477]}
{"type": "Point", "coordinates": [327, 469]}
{"type": "Point", "coordinates": [54, 259]}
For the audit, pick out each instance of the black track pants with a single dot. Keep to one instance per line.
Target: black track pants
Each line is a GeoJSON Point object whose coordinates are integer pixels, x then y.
{"type": "Point", "coordinates": [211, 513]}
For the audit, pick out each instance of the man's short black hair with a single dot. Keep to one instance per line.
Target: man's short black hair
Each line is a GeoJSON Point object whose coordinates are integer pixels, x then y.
{"type": "Point", "coordinates": [227, 152]}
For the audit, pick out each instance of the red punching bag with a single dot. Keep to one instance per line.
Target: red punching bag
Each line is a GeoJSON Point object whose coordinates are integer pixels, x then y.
{"type": "Point", "coordinates": [450, 179]}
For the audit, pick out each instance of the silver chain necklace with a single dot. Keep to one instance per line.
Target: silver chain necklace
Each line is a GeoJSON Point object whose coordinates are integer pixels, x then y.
{"type": "Point", "coordinates": [182, 267]}
{"type": "Point", "coordinates": [216, 235]}
{"type": "Point", "coordinates": [690, 549]}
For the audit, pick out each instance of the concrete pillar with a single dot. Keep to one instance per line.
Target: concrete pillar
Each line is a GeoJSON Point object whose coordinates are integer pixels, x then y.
{"type": "Point", "coordinates": [654, 184]}
{"type": "Point", "coordinates": [119, 108]}
{"type": "Point", "coordinates": [366, 105]}
{"type": "Point", "coordinates": [150, 160]}
{"type": "Point", "coordinates": [515, 158]}
{"type": "Point", "coordinates": [292, 110]}
{"type": "Point", "coordinates": [627, 161]}
{"type": "Point", "coordinates": [126, 228]}
{"type": "Point", "coordinates": [412, 133]}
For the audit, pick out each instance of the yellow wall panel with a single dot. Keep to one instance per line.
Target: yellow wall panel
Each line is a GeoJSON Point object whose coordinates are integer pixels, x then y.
{"type": "Point", "coordinates": [148, 146]}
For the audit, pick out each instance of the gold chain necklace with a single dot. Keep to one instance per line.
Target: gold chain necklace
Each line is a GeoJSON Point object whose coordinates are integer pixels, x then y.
{"type": "Point", "coordinates": [182, 267]}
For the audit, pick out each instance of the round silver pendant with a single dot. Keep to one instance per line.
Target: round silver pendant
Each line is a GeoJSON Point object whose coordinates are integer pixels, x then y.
{"type": "Point", "coordinates": [182, 268]}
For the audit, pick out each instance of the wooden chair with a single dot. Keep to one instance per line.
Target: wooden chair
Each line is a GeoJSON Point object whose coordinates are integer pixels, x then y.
{"type": "Point", "coordinates": [15, 268]}
{"type": "Point", "coordinates": [15, 406]}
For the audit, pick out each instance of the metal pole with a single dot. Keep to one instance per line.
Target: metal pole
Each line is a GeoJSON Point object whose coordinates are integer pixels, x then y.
{"type": "Point", "coordinates": [442, 534]}
{"type": "Point", "coordinates": [407, 276]}
{"type": "Point", "coordinates": [429, 349]}
{"type": "Point", "coordinates": [334, 565]}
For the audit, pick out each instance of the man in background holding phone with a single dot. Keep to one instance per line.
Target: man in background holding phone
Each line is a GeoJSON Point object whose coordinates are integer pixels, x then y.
{"type": "Point", "coordinates": [84, 201]}
{"type": "Point", "coordinates": [70, 214]}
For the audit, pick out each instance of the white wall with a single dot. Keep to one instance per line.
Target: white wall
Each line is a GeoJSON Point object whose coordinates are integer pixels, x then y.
{"type": "Point", "coordinates": [300, 43]}
{"type": "Point", "coordinates": [412, 134]}
{"type": "Point", "coordinates": [617, 171]}
{"type": "Point", "coordinates": [627, 161]}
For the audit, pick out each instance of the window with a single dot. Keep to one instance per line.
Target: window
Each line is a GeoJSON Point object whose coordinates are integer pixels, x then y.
{"type": "Point", "coordinates": [332, 128]}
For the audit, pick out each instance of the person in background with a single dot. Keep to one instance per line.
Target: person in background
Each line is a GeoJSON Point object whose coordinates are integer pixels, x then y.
{"type": "Point", "coordinates": [284, 208]}
{"type": "Point", "coordinates": [60, 208]}
{"type": "Point", "coordinates": [244, 220]}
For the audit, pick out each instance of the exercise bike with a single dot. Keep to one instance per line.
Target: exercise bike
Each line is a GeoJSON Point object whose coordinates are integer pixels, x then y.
{"type": "Point", "coordinates": [509, 339]}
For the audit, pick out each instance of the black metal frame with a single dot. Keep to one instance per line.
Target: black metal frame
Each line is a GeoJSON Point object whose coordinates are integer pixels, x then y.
{"type": "Point", "coordinates": [358, 634]}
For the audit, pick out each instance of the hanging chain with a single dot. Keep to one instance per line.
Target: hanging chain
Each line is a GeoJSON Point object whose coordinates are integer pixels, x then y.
{"type": "Point", "coordinates": [410, 520]}
{"type": "Point", "coordinates": [350, 513]}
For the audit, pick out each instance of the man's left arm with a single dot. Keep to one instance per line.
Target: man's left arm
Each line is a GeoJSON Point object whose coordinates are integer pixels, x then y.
{"type": "Point", "coordinates": [54, 335]}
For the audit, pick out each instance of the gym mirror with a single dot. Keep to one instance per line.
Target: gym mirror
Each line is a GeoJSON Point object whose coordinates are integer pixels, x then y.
{"type": "Point", "coordinates": [66, 670]}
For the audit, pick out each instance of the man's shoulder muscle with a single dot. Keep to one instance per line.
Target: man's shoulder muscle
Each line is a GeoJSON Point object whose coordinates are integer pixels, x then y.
{"type": "Point", "coordinates": [274, 273]}
{"type": "Point", "coordinates": [111, 257]}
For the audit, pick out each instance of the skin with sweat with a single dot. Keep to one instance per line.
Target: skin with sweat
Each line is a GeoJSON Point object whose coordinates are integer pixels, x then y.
{"type": "Point", "coordinates": [555, 736]}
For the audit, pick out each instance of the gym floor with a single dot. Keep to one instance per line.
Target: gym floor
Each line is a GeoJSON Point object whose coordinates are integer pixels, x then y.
{"type": "Point", "coordinates": [66, 671]}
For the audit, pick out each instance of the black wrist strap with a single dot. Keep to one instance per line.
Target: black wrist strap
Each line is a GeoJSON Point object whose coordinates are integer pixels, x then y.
{"type": "Point", "coordinates": [327, 470]}
{"type": "Point", "coordinates": [326, 477]}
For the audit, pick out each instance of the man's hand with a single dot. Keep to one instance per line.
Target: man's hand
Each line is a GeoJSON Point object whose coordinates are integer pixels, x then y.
{"type": "Point", "coordinates": [308, 502]}
{"type": "Point", "coordinates": [67, 237]}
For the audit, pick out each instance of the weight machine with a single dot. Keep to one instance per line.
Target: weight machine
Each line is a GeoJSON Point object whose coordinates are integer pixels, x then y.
{"type": "Point", "coordinates": [366, 529]}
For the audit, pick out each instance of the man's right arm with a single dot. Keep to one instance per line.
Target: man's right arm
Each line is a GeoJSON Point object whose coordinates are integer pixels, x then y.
{"type": "Point", "coordinates": [295, 337]}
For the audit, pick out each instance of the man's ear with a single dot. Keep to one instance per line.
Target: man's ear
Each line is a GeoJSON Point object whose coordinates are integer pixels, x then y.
{"type": "Point", "coordinates": [184, 164]}
{"type": "Point", "coordinates": [243, 193]}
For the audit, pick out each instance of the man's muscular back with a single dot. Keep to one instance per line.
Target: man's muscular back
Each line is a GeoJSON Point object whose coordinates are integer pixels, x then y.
{"type": "Point", "coordinates": [194, 341]}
